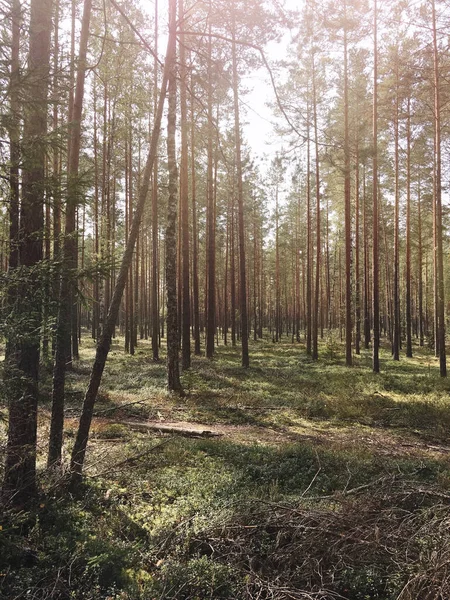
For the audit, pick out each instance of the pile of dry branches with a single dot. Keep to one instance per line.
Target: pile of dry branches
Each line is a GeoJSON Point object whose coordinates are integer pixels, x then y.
{"type": "Point", "coordinates": [391, 541]}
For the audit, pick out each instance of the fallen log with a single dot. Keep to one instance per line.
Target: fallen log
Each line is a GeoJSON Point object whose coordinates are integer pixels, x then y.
{"type": "Point", "coordinates": [182, 429]}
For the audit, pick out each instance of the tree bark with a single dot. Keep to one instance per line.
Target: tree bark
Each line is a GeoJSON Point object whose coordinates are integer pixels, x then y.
{"type": "Point", "coordinates": [348, 217]}
{"type": "Point", "coordinates": [409, 352]}
{"type": "Point", "coordinates": [357, 257]}
{"type": "Point", "coordinates": [22, 368]}
{"type": "Point", "coordinates": [308, 240]}
{"type": "Point", "coordinates": [315, 316]}
{"type": "Point", "coordinates": [211, 223]}
{"type": "Point", "coordinates": [240, 198]}
{"type": "Point", "coordinates": [173, 344]}
{"type": "Point", "coordinates": [184, 204]}
{"type": "Point", "coordinates": [396, 307]}
{"type": "Point", "coordinates": [195, 283]}
{"type": "Point", "coordinates": [440, 312]}
{"type": "Point", "coordinates": [420, 264]}
{"type": "Point", "coordinates": [375, 250]}
{"type": "Point", "coordinates": [155, 277]}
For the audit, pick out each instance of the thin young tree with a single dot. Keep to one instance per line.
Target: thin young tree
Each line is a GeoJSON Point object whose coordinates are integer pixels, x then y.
{"type": "Point", "coordinates": [396, 283]}
{"type": "Point", "coordinates": [315, 324]}
{"type": "Point", "coordinates": [184, 200]}
{"type": "Point", "coordinates": [155, 230]}
{"type": "Point", "coordinates": [211, 209]}
{"type": "Point", "coordinates": [240, 199]}
{"type": "Point", "coordinates": [348, 217]}
{"type": "Point", "coordinates": [375, 230]}
{"type": "Point", "coordinates": [195, 281]}
{"type": "Point", "coordinates": [409, 352]}
{"type": "Point", "coordinates": [439, 279]}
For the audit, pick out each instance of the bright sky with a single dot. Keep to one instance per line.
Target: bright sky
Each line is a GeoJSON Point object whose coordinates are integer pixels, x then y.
{"type": "Point", "coordinates": [257, 116]}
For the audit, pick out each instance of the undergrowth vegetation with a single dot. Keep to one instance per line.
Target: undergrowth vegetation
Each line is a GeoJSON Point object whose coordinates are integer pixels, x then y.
{"type": "Point", "coordinates": [326, 482]}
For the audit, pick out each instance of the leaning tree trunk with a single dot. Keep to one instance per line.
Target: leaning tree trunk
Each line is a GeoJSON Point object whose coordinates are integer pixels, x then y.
{"type": "Point", "coordinates": [79, 449]}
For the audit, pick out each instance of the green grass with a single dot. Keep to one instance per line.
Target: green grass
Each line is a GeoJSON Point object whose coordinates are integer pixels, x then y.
{"type": "Point", "coordinates": [318, 460]}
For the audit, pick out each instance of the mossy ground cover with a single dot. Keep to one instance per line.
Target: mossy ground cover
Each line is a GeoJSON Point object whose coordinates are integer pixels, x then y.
{"type": "Point", "coordinates": [326, 480]}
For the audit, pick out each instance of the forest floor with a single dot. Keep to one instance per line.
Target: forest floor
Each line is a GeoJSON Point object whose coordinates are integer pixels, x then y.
{"type": "Point", "coordinates": [290, 479]}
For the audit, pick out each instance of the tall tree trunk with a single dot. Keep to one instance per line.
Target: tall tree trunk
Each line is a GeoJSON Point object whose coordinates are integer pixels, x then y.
{"type": "Point", "coordinates": [348, 217]}
{"type": "Point", "coordinates": [173, 344]}
{"type": "Point", "coordinates": [375, 250]}
{"type": "Point", "coordinates": [438, 210]}
{"type": "Point", "coordinates": [155, 276]}
{"type": "Point", "coordinates": [56, 169]}
{"type": "Point", "coordinates": [277, 272]}
{"type": "Point", "coordinates": [233, 271]}
{"type": "Point", "coordinates": [211, 223]}
{"type": "Point", "coordinates": [297, 269]}
{"type": "Point", "coordinates": [240, 197]}
{"type": "Point", "coordinates": [67, 295]}
{"type": "Point", "coordinates": [184, 202]}
{"type": "Point", "coordinates": [408, 232]}
{"type": "Point", "coordinates": [367, 302]}
{"type": "Point", "coordinates": [22, 368]}
{"type": "Point", "coordinates": [315, 316]}
{"type": "Point", "coordinates": [14, 136]}
{"type": "Point", "coordinates": [308, 239]}
{"type": "Point", "coordinates": [255, 274]}
{"type": "Point", "coordinates": [96, 305]}
{"type": "Point", "coordinates": [357, 257]}
{"type": "Point", "coordinates": [420, 264]}
{"type": "Point", "coordinates": [396, 307]}
{"type": "Point", "coordinates": [225, 283]}
{"type": "Point", "coordinates": [195, 284]}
